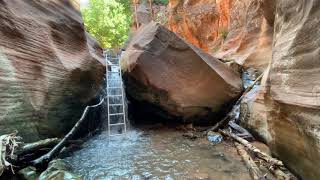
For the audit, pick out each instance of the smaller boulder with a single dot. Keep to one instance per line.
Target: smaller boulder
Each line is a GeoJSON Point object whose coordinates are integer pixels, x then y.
{"type": "Point", "coordinates": [58, 170]}
{"type": "Point", "coordinates": [214, 137]}
{"type": "Point", "coordinates": [29, 173]}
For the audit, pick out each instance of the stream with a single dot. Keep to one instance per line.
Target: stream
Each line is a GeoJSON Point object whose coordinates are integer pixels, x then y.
{"type": "Point", "coordinates": [156, 153]}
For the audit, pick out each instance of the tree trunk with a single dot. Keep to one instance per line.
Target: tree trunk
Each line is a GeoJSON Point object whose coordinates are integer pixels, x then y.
{"type": "Point", "coordinates": [136, 13]}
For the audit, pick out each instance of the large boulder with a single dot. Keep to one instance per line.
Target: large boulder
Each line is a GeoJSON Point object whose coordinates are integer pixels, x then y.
{"type": "Point", "coordinates": [49, 68]}
{"type": "Point", "coordinates": [177, 78]}
{"type": "Point", "coordinates": [286, 111]}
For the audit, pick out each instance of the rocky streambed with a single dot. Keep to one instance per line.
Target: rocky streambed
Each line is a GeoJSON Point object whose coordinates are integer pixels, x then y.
{"type": "Point", "coordinates": [156, 153]}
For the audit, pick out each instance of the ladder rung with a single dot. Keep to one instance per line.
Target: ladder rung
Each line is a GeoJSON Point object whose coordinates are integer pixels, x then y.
{"type": "Point", "coordinates": [116, 114]}
{"type": "Point", "coordinates": [115, 104]}
{"type": "Point", "coordinates": [119, 80]}
{"type": "Point", "coordinates": [117, 124]}
{"type": "Point", "coordinates": [114, 95]}
{"type": "Point", "coordinates": [117, 134]}
{"type": "Point", "coordinates": [113, 72]}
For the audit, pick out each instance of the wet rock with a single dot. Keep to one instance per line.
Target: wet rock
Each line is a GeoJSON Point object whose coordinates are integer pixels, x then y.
{"type": "Point", "coordinates": [234, 66]}
{"type": "Point", "coordinates": [249, 75]}
{"type": "Point", "coordinates": [173, 79]}
{"type": "Point", "coordinates": [29, 173]}
{"type": "Point", "coordinates": [50, 69]}
{"type": "Point", "coordinates": [58, 170]}
{"type": "Point", "coordinates": [214, 137]}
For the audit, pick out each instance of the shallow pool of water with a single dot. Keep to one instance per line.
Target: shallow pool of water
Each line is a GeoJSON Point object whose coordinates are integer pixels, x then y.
{"type": "Point", "coordinates": [156, 154]}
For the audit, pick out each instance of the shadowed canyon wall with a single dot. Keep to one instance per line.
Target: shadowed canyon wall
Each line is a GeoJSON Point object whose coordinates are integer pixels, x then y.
{"type": "Point", "coordinates": [50, 69]}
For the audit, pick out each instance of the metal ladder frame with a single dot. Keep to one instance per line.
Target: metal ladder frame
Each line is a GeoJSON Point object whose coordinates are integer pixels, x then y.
{"type": "Point", "coordinates": [122, 98]}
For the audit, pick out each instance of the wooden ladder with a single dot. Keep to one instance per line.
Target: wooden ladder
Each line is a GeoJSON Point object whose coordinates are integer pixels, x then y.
{"type": "Point", "coordinates": [115, 97]}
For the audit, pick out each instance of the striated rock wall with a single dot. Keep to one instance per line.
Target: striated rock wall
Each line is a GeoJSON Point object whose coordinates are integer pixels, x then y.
{"type": "Point", "coordinates": [286, 111]}
{"type": "Point", "coordinates": [50, 69]}
{"type": "Point", "coordinates": [228, 29]}
{"type": "Point", "coordinates": [295, 86]}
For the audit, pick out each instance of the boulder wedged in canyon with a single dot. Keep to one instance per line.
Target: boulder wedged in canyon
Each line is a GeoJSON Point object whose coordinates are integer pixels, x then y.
{"type": "Point", "coordinates": [286, 110]}
{"type": "Point", "coordinates": [181, 80]}
{"type": "Point", "coordinates": [49, 68]}
{"type": "Point", "coordinates": [241, 31]}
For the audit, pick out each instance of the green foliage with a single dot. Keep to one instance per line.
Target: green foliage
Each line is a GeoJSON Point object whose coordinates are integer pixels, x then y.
{"type": "Point", "coordinates": [108, 21]}
{"type": "Point", "coordinates": [161, 2]}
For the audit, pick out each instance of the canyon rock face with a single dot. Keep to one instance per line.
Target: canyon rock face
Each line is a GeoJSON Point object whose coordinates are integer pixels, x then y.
{"type": "Point", "coordinates": [227, 29]}
{"type": "Point", "coordinates": [50, 69]}
{"type": "Point", "coordinates": [295, 86]}
{"type": "Point", "coordinates": [286, 110]}
{"type": "Point", "coordinates": [167, 73]}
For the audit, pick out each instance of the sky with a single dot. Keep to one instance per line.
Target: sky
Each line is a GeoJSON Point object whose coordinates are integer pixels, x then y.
{"type": "Point", "coordinates": [84, 3]}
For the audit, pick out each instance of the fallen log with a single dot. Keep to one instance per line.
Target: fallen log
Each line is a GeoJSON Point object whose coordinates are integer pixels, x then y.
{"type": "Point", "coordinates": [256, 151]}
{"type": "Point", "coordinates": [45, 159]}
{"type": "Point", "coordinates": [254, 170]}
{"type": "Point", "coordinates": [32, 147]}
{"type": "Point", "coordinates": [231, 115]}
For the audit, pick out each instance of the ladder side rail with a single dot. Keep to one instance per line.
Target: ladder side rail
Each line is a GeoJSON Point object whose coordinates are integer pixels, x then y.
{"type": "Point", "coordinates": [122, 93]}
{"type": "Point", "coordinates": [108, 102]}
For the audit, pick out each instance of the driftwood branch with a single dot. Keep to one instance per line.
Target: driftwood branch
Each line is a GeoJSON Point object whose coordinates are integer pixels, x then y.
{"type": "Point", "coordinates": [8, 146]}
{"type": "Point", "coordinates": [56, 150]}
{"type": "Point", "coordinates": [255, 150]}
{"type": "Point", "coordinates": [279, 174]}
{"type": "Point", "coordinates": [254, 170]}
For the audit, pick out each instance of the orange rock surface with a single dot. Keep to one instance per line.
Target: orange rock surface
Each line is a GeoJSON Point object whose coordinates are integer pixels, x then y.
{"type": "Point", "coordinates": [227, 29]}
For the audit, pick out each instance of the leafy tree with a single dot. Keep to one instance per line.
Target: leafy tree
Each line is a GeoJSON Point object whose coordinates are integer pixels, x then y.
{"type": "Point", "coordinates": [108, 21]}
